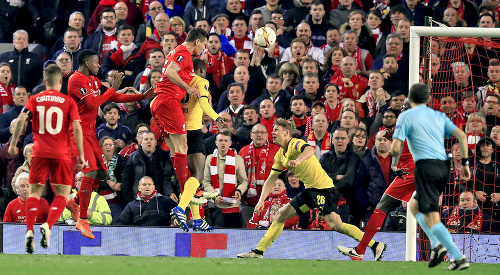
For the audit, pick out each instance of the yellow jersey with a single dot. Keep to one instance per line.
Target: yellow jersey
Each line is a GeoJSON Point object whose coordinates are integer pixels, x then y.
{"type": "Point", "coordinates": [309, 171]}
{"type": "Point", "coordinates": [193, 108]}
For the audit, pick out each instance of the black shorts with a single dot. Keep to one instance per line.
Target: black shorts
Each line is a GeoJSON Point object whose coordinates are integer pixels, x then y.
{"type": "Point", "coordinates": [195, 142]}
{"type": "Point", "coordinates": [431, 177]}
{"type": "Point", "coordinates": [323, 199]}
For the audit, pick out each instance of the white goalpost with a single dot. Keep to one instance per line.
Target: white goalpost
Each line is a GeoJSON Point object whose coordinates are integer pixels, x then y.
{"type": "Point", "coordinates": [416, 32]}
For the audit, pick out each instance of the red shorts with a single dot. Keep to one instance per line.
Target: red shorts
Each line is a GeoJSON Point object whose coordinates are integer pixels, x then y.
{"type": "Point", "coordinates": [167, 116]}
{"type": "Point", "coordinates": [58, 171]}
{"type": "Point", "coordinates": [94, 157]}
{"type": "Point", "coordinates": [402, 189]}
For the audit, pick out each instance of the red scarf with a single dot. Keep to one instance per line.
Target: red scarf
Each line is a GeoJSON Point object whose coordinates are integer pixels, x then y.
{"type": "Point", "coordinates": [110, 2]}
{"type": "Point", "coordinates": [269, 123]}
{"type": "Point", "coordinates": [276, 52]}
{"type": "Point", "coordinates": [376, 34]}
{"type": "Point", "coordinates": [325, 145]}
{"type": "Point", "coordinates": [255, 163]}
{"type": "Point", "coordinates": [146, 198]}
{"type": "Point", "coordinates": [229, 175]}
{"type": "Point", "coordinates": [217, 65]}
{"type": "Point", "coordinates": [453, 222]}
{"type": "Point", "coordinates": [333, 114]}
{"type": "Point", "coordinates": [358, 58]}
{"type": "Point", "coordinates": [144, 78]}
{"type": "Point", "coordinates": [307, 120]}
{"type": "Point", "coordinates": [460, 11]}
{"type": "Point", "coordinates": [6, 100]}
{"type": "Point", "coordinates": [239, 43]}
{"type": "Point", "coordinates": [117, 57]}
{"type": "Point", "coordinates": [372, 104]}
{"type": "Point", "coordinates": [156, 35]}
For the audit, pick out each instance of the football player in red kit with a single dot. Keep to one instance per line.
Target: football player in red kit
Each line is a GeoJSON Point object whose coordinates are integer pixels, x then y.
{"type": "Point", "coordinates": [84, 87]}
{"type": "Point", "coordinates": [52, 113]}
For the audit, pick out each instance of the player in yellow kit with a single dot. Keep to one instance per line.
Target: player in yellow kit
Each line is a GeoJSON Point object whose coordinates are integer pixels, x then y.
{"type": "Point", "coordinates": [193, 109]}
{"type": "Point", "coordinates": [299, 157]}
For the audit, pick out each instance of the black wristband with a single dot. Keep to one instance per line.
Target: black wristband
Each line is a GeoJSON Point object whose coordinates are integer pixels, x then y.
{"type": "Point", "coordinates": [465, 162]}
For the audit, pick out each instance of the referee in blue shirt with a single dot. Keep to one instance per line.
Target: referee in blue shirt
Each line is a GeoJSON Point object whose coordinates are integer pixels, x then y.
{"type": "Point", "coordinates": [425, 130]}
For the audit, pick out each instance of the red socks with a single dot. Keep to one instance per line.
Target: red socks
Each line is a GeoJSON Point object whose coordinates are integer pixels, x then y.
{"type": "Point", "coordinates": [181, 169]}
{"type": "Point", "coordinates": [373, 226]}
{"type": "Point", "coordinates": [56, 209]}
{"type": "Point", "coordinates": [84, 194]}
{"type": "Point", "coordinates": [32, 205]}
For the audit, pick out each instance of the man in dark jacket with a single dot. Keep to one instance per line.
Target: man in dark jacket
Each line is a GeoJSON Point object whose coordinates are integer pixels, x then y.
{"type": "Point", "coordinates": [374, 176]}
{"type": "Point", "coordinates": [20, 97]}
{"type": "Point", "coordinates": [149, 160]}
{"type": "Point", "coordinates": [280, 97]}
{"type": "Point", "coordinates": [26, 66]}
{"type": "Point", "coordinates": [103, 41]}
{"type": "Point", "coordinates": [341, 164]}
{"type": "Point", "coordinates": [149, 208]}
{"type": "Point", "coordinates": [121, 133]}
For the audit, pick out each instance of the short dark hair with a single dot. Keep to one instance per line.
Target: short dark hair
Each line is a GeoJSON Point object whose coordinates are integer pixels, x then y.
{"type": "Point", "coordinates": [342, 129]}
{"type": "Point", "coordinates": [240, 18]}
{"type": "Point", "coordinates": [274, 76]}
{"type": "Point", "coordinates": [419, 93]}
{"type": "Point", "coordinates": [196, 34]}
{"type": "Point", "coordinates": [251, 107]}
{"type": "Point", "coordinates": [494, 95]}
{"type": "Point", "coordinates": [397, 8]}
{"type": "Point", "coordinates": [154, 50]}
{"type": "Point", "coordinates": [397, 93]}
{"type": "Point", "coordinates": [198, 64]}
{"type": "Point", "coordinates": [234, 84]}
{"type": "Point", "coordinates": [486, 14]}
{"type": "Point", "coordinates": [311, 75]}
{"type": "Point", "coordinates": [70, 29]}
{"type": "Point", "coordinates": [125, 26]}
{"type": "Point", "coordinates": [224, 132]}
{"type": "Point", "coordinates": [243, 51]}
{"type": "Point", "coordinates": [52, 75]}
{"type": "Point", "coordinates": [298, 97]}
{"type": "Point", "coordinates": [390, 55]}
{"type": "Point", "coordinates": [213, 34]}
{"type": "Point", "coordinates": [111, 106]}
{"type": "Point", "coordinates": [332, 85]}
{"type": "Point", "coordinates": [101, 140]}
{"type": "Point", "coordinates": [107, 10]}
{"type": "Point", "coordinates": [272, 23]}
{"type": "Point", "coordinates": [85, 55]}
{"type": "Point", "coordinates": [255, 12]}
{"type": "Point", "coordinates": [277, 10]}
{"type": "Point", "coordinates": [317, 2]}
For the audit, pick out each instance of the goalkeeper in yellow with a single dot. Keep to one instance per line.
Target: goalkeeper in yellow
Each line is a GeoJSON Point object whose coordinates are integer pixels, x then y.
{"type": "Point", "coordinates": [193, 109]}
{"type": "Point", "coordinates": [298, 157]}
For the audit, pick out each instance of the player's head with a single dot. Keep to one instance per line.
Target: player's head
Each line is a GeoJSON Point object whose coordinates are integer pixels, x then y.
{"type": "Point", "coordinates": [88, 60]}
{"type": "Point", "coordinates": [419, 94]}
{"type": "Point", "coordinates": [52, 77]}
{"type": "Point", "coordinates": [198, 39]}
{"type": "Point", "coordinates": [200, 69]}
{"type": "Point", "coordinates": [146, 186]}
{"type": "Point", "coordinates": [282, 131]}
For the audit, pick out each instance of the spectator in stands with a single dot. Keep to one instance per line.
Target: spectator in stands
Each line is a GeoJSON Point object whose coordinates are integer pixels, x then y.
{"type": "Point", "coordinates": [258, 158]}
{"type": "Point", "coordinates": [356, 23]}
{"type": "Point", "coordinates": [448, 106]}
{"type": "Point", "coordinates": [198, 9]}
{"type": "Point", "coordinates": [111, 189]}
{"type": "Point", "coordinates": [267, 111]}
{"type": "Point", "coordinates": [290, 74]}
{"type": "Point", "coordinates": [389, 117]}
{"type": "Point", "coordinates": [225, 174]}
{"type": "Point", "coordinates": [341, 164]}
{"type": "Point", "coordinates": [6, 87]}
{"type": "Point", "coordinates": [240, 39]}
{"type": "Point", "coordinates": [359, 142]}
{"type": "Point", "coordinates": [134, 17]}
{"type": "Point", "coordinates": [450, 16]}
{"type": "Point", "coordinates": [467, 216]}
{"type": "Point", "coordinates": [241, 58]}
{"type": "Point", "coordinates": [374, 175]}
{"type": "Point", "coordinates": [125, 58]}
{"type": "Point", "coordinates": [173, 10]}
{"type": "Point", "coordinates": [235, 96]}
{"type": "Point", "coordinates": [309, 66]}
{"type": "Point", "coordinates": [340, 15]}
{"type": "Point", "coordinates": [146, 29]}
{"type": "Point", "coordinates": [149, 208]}
{"type": "Point", "coordinates": [493, 84]}
{"type": "Point", "coordinates": [490, 110]}
{"type": "Point", "coordinates": [250, 91]}
{"type": "Point", "coordinates": [332, 40]}
{"type": "Point", "coordinates": [237, 141]}
{"type": "Point", "coordinates": [333, 59]}
{"type": "Point", "coordinates": [466, 11]}
{"type": "Point", "coordinates": [256, 21]}
{"type": "Point", "coordinates": [153, 77]}
{"type": "Point", "coordinates": [113, 128]}
{"type": "Point", "coordinates": [121, 11]}
{"type": "Point", "coordinates": [403, 28]}
{"type": "Point", "coordinates": [140, 129]}
{"type": "Point", "coordinates": [319, 138]}
{"type": "Point", "coordinates": [203, 23]}
{"type": "Point", "coordinates": [462, 80]}
{"type": "Point", "coordinates": [20, 97]}
{"type": "Point", "coordinates": [299, 117]}
{"type": "Point", "coordinates": [277, 199]}
{"type": "Point", "coordinates": [233, 10]}
{"type": "Point", "coordinates": [319, 24]}
{"type": "Point", "coordinates": [72, 46]}
{"type": "Point", "coordinates": [375, 97]}
{"type": "Point", "coordinates": [103, 40]}
{"type": "Point", "coordinates": [267, 9]}
{"type": "Point", "coordinates": [363, 58]}
{"type": "Point", "coordinates": [486, 20]}
{"type": "Point", "coordinates": [394, 46]}
{"type": "Point", "coordinates": [293, 185]}
{"type": "Point", "coordinates": [349, 121]}
{"type": "Point", "coordinates": [218, 63]}
{"type": "Point", "coordinates": [162, 26]}
{"type": "Point", "coordinates": [76, 21]}
{"type": "Point", "coordinates": [468, 104]}
{"type": "Point", "coordinates": [16, 209]}
{"type": "Point", "coordinates": [397, 100]}
{"type": "Point", "coordinates": [64, 62]}
{"type": "Point", "coordinates": [332, 102]}
{"type": "Point", "coordinates": [99, 212]}
{"type": "Point", "coordinates": [26, 67]}
{"type": "Point", "coordinates": [156, 60]}
{"type": "Point", "coordinates": [284, 34]}
{"type": "Point", "coordinates": [392, 81]}
{"type": "Point", "coordinates": [178, 26]}
{"type": "Point", "coordinates": [250, 117]}
{"type": "Point", "coordinates": [396, 220]}
{"type": "Point", "coordinates": [169, 42]}
{"type": "Point", "coordinates": [27, 152]}
{"type": "Point", "coordinates": [261, 61]}
{"type": "Point", "coordinates": [415, 11]}
{"type": "Point", "coordinates": [304, 33]}
{"type": "Point", "coordinates": [275, 93]}
{"type": "Point", "coordinates": [149, 160]}
{"type": "Point", "coordinates": [311, 89]}
{"type": "Point", "coordinates": [475, 128]}
{"type": "Point", "coordinates": [351, 85]}
{"type": "Point", "coordinates": [135, 112]}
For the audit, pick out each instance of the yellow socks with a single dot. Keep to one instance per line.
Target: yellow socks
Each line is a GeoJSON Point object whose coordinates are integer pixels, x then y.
{"type": "Point", "coordinates": [353, 232]}
{"type": "Point", "coordinates": [189, 190]}
{"type": "Point", "coordinates": [272, 234]}
{"type": "Point", "coordinates": [195, 211]}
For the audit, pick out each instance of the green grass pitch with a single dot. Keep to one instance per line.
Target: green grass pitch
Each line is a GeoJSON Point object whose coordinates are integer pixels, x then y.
{"type": "Point", "coordinates": [122, 265]}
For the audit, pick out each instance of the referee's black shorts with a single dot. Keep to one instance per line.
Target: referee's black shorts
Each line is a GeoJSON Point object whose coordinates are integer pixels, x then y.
{"type": "Point", "coordinates": [431, 177]}
{"type": "Point", "coordinates": [323, 199]}
{"type": "Point", "coordinates": [195, 142]}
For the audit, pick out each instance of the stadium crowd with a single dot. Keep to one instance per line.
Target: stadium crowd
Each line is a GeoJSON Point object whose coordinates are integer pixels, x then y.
{"type": "Point", "coordinates": [339, 71]}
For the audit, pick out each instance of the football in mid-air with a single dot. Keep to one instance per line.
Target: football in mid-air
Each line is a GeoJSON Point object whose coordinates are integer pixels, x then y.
{"type": "Point", "coordinates": [265, 37]}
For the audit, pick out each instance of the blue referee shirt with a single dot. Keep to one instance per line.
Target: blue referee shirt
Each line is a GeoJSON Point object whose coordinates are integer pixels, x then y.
{"type": "Point", "coordinates": [425, 130]}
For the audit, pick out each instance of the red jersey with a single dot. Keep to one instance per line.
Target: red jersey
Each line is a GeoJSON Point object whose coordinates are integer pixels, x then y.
{"type": "Point", "coordinates": [16, 211]}
{"type": "Point", "coordinates": [406, 159]}
{"type": "Point", "coordinates": [182, 57]}
{"type": "Point", "coordinates": [53, 113]}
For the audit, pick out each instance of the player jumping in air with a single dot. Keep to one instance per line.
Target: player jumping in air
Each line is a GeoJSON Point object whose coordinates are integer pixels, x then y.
{"type": "Point", "coordinates": [299, 158]}
{"type": "Point", "coordinates": [84, 87]}
{"type": "Point", "coordinates": [52, 113]}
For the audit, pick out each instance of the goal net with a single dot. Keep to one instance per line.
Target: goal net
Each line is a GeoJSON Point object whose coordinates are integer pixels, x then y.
{"type": "Point", "coordinates": [461, 68]}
